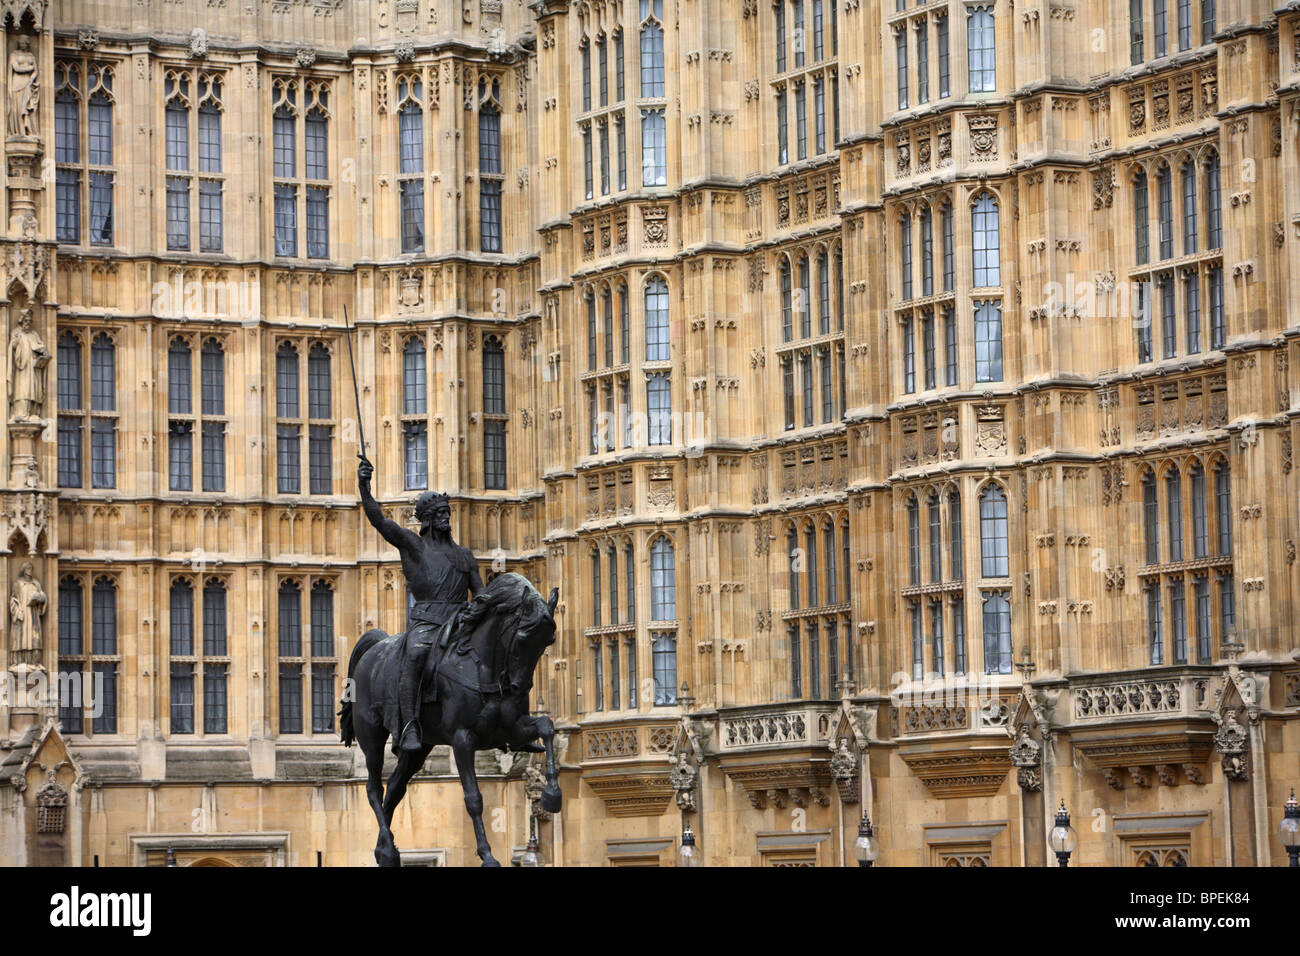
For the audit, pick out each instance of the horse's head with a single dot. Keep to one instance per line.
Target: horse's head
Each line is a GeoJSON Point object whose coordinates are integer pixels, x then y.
{"type": "Point", "coordinates": [533, 633]}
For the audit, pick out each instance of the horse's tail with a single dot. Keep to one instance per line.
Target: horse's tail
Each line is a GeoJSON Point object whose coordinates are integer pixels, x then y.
{"type": "Point", "coordinates": [368, 640]}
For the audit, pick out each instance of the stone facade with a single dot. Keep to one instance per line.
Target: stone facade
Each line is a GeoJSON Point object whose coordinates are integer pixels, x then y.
{"type": "Point", "coordinates": [910, 430]}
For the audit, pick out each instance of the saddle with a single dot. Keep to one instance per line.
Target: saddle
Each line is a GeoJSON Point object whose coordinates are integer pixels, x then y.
{"type": "Point", "coordinates": [453, 656]}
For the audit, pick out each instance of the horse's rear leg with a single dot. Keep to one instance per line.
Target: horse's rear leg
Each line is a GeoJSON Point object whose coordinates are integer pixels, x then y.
{"type": "Point", "coordinates": [462, 745]}
{"type": "Point", "coordinates": [372, 742]}
{"type": "Point", "coordinates": [408, 765]}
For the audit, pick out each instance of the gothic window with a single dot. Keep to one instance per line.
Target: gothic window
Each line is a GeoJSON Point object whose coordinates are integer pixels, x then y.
{"type": "Point", "coordinates": [997, 632]}
{"type": "Point", "coordinates": [954, 535]}
{"type": "Point", "coordinates": [993, 533]}
{"type": "Point", "coordinates": [320, 433]}
{"type": "Point", "coordinates": [664, 658]}
{"type": "Point", "coordinates": [927, 253]}
{"type": "Point", "coordinates": [1213, 204]}
{"type": "Point", "coordinates": [663, 582]}
{"type": "Point", "coordinates": [949, 345]}
{"type": "Point", "coordinates": [800, 121]}
{"type": "Point", "coordinates": [410, 178]}
{"type": "Point", "coordinates": [1150, 518]}
{"type": "Point", "coordinates": [986, 242]}
{"type": "Point", "coordinates": [490, 169]}
{"type": "Point", "coordinates": [1165, 210]}
{"type": "Point", "coordinates": [1189, 208]}
{"type": "Point", "coordinates": [1155, 623]}
{"type": "Point", "coordinates": [1140, 240]}
{"type": "Point", "coordinates": [1207, 21]}
{"type": "Point", "coordinates": [288, 432]}
{"type": "Point", "coordinates": [1174, 510]}
{"type": "Point", "coordinates": [782, 128]}
{"type": "Point", "coordinates": [652, 48]}
{"type": "Point", "coordinates": [300, 113]}
{"type": "Point", "coordinates": [905, 261]}
{"type": "Point", "coordinates": [494, 414]}
{"type": "Point", "coordinates": [84, 183]}
{"type": "Point", "coordinates": [913, 541]}
{"type": "Point", "coordinates": [927, 348]}
{"type": "Point", "coordinates": [656, 320]}
{"type": "Point", "coordinates": [778, 10]}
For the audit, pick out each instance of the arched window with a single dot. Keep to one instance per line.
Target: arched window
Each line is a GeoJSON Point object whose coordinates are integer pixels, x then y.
{"type": "Point", "coordinates": [597, 618]}
{"type": "Point", "coordinates": [795, 564]}
{"type": "Point", "coordinates": [823, 293]}
{"type": "Point", "coordinates": [414, 382]}
{"type": "Point", "coordinates": [652, 48]}
{"type": "Point", "coordinates": [927, 252]}
{"type": "Point", "coordinates": [213, 373]}
{"type": "Point", "coordinates": [182, 618]}
{"type": "Point", "coordinates": [322, 646]}
{"type": "Point", "coordinates": [1150, 518]}
{"type": "Point", "coordinates": [787, 300]}
{"type": "Point", "coordinates": [410, 134]}
{"type": "Point", "coordinates": [494, 414]}
{"type": "Point", "coordinates": [494, 376]}
{"type": "Point", "coordinates": [1140, 232]}
{"type": "Point", "coordinates": [778, 10]}
{"type": "Point", "coordinates": [69, 373]}
{"type": "Point", "coordinates": [585, 53]}
{"type": "Point", "coordinates": [1189, 209]}
{"type": "Point", "coordinates": [1200, 523]}
{"type": "Point", "coordinates": [181, 676]}
{"type": "Point", "coordinates": [1223, 507]}
{"type": "Point", "coordinates": [985, 241]}
{"type": "Point", "coordinates": [103, 643]}
{"type": "Point", "coordinates": [663, 581]}
{"type": "Point", "coordinates": [805, 299]}
{"type": "Point", "coordinates": [180, 383]}
{"type": "Point", "coordinates": [1165, 210]}
{"type": "Point", "coordinates": [993, 533]}
{"type": "Point", "coordinates": [997, 633]}
{"type": "Point", "coordinates": [905, 259]}
{"type": "Point", "coordinates": [935, 538]}
{"type": "Point", "coordinates": [489, 159]}
{"type": "Point", "coordinates": [1174, 509]}
{"type": "Point", "coordinates": [913, 541]}
{"type": "Point", "coordinates": [954, 535]}
{"type": "Point", "coordinates": [810, 556]}
{"type": "Point", "coordinates": [214, 618]}
{"type": "Point", "coordinates": [290, 624]}
{"type": "Point", "coordinates": [656, 320]}
{"type": "Point", "coordinates": [659, 408]}
{"type": "Point", "coordinates": [1213, 204]}
{"type": "Point", "coordinates": [286, 381]}
{"type": "Point", "coordinates": [832, 569]}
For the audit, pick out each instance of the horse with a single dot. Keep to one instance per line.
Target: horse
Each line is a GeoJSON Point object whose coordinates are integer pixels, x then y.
{"type": "Point", "coordinates": [474, 697]}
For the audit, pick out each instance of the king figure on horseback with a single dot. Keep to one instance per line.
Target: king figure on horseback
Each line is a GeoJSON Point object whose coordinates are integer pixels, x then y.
{"type": "Point", "coordinates": [439, 574]}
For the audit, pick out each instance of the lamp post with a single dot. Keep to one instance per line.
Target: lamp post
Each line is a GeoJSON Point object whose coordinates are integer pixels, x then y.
{"type": "Point", "coordinates": [689, 854]}
{"type": "Point", "coordinates": [1063, 838]}
{"type": "Point", "coordinates": [1288, 831]}
{"type": "Point", "coordinates": [531, 855]}
{"type": "Point", "coordinates": [865, 847]}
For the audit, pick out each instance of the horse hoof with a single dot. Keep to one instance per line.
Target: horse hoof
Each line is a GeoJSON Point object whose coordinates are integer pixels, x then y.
{"type": "Point", "coordinates": [551, 799]}
{"type": "Point", "coordinates": [388, 858]}
{"type": "Point", "coordinates": [490, 862]}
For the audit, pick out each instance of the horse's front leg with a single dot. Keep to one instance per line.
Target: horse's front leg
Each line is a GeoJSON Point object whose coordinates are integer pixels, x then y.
{"type": "Point", "coordinates": [462, 745]}
{"type": "Point", "coordinates": [551, 794]}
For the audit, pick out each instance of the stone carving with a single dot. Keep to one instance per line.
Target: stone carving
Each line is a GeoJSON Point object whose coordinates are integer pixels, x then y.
{"type": "Point", "coordinates": [26, 612]}
{"type": "Point", "coordinates": [28, 357]}
{"type": "Point", "coordinates": [1026, 757]}
{"type": "Point", "coordinates": [683, 777]}
{"type": "Point", "coordinates": [24, 90]}
{"type": "Point", "coordinates": [198, 43]}
{"type": "Point", "coordinates": [1231, 741]}
{"type": "Point", "coordinates": [28, 516]}
{"type": "Point", "coordinates": [983, 138]}
{"type": "Point", "coordinates": [51, 804]}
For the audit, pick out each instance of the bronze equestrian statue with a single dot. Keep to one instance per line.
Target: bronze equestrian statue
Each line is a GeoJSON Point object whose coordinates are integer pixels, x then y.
{"type": "Point", "coordinates": [460, 675]}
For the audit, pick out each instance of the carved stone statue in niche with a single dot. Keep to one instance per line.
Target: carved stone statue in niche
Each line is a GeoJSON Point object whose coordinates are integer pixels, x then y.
{"type": "Point", "coordinates": [28, 357]}
{"type": "Point", "coordinates": [26, 609]}
{"type": "Point", "coordinates": [24, 90]}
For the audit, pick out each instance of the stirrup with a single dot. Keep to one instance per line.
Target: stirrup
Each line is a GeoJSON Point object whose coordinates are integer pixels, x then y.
{"type": "Point", "coordinates": [419, 736]}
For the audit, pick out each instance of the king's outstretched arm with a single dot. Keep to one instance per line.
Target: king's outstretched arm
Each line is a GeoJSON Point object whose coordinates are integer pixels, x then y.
{"type": "Point", "coordinates": [390, 530]}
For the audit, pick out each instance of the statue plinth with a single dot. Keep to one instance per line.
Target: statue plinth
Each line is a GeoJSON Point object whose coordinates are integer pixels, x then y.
{"type": "Point", "coordinates": [24, 472]}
